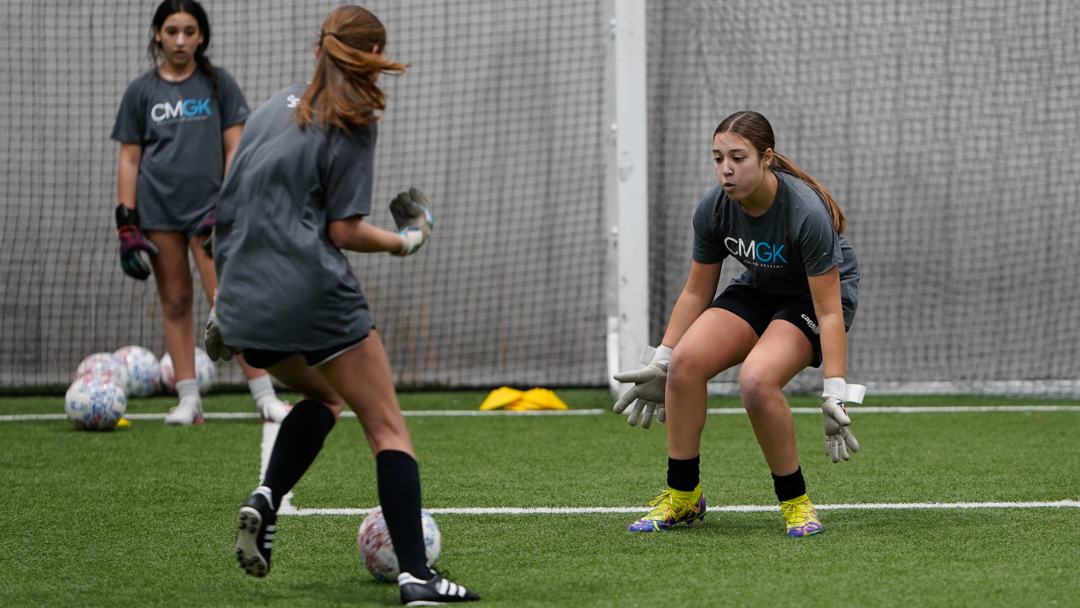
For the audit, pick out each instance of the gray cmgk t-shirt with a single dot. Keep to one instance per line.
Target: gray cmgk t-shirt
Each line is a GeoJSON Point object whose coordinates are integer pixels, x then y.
{"type": "Point", "coordinates": [179, 126]}
{"type": "Point", "coordinates": [794, 239]}
{"type": "Point", "coordinates": [283, 285]}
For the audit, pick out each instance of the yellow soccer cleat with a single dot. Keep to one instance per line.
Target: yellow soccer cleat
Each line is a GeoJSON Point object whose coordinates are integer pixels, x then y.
{"type": "Point", "coordinates": [123, 422]}
{"type": "Point", "coordinates": [672, 507]}
{"type": "Point", "coordinates": [801, 517]}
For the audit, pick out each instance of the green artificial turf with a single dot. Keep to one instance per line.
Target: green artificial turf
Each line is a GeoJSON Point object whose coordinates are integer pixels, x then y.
{"type": "Point", "coordinates": [145, 516]}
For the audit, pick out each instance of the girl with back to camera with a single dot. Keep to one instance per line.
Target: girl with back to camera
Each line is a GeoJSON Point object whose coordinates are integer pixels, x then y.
{"type": "Point", "coordinates": [790, 309]}
{"type": "Point", "coordinates": [178, 127]}
{"type": "Point", "coordinates": [297, 195]}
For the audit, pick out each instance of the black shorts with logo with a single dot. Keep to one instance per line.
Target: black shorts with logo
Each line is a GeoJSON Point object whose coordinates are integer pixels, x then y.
{"type": "Point", "coordinates": [759, 309]}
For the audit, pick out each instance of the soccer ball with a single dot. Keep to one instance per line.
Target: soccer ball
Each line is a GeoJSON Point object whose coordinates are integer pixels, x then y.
{"type": "Point", "coordinates": [94, 403]}
{"type": "Point", "coordinates": [144, 376]}
{"type": "Point", "coordinates": [377, 552]}
{"type": "Point", "coordinates": [204, 372]}
{"type": "Point", "coordinates": [103, 365]}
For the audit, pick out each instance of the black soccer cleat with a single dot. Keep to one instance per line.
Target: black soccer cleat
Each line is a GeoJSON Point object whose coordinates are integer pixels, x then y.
{"type": "Point", "coordinates": [255, 539]}
{"type": "Point", "coordinates": [434, 592]}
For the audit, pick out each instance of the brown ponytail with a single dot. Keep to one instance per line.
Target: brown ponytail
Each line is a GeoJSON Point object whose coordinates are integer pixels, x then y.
{"type": "Point", "coordinates": [343, 91]}
{"type": "Point", "coordinates": [754, 128]}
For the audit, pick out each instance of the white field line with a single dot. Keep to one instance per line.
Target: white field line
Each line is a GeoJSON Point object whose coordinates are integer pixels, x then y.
{"type": "Point", "coordinates": [854, 409]}
{"type": "Point", "coordinates": [290, 510]}
{"type": "Point", "coordinates": [270, 432]}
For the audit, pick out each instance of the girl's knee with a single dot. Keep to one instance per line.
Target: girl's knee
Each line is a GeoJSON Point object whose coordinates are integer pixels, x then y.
{"type": "Point", "coordinates": [176, 308]}
{"type": "Point", "coordinates": [686, 366]}
{"type": "Point", "coordinates": [756, 385]}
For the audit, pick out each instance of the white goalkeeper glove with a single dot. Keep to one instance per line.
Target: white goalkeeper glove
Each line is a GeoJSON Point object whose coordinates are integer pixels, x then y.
{"type": "Point", "coordinates": [647, 395]}
{"type": "Point", "coordinates": [414, 220]}
{"type": "Point", "coordinates": [215, 348]}
{"type": "Point", "coordinates": [838, 437]}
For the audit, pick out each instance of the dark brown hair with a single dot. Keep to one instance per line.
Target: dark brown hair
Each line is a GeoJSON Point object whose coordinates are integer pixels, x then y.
{"type": "Point", "coordinates": [343, 91]}
{"type": "Point", "coordinates": [169, 8]}
{"type": "Point", "coordinates": [754, 128]}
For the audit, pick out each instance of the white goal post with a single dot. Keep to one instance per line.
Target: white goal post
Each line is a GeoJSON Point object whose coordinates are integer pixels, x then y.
{"type": "Point", "coordinates": [627, 191]}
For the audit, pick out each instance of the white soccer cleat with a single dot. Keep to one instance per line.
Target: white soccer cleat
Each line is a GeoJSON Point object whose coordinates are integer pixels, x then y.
{"type": "Point", "coordinates": [189, 412]}
{"type": "Point", "coordinates": [272, 409]}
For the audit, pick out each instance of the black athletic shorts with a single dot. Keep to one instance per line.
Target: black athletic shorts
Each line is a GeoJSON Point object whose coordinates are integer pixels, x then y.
{"type": "Point", "coordinates": [263, 359]}
{"type": "Point", "coordinates": [759, 309]}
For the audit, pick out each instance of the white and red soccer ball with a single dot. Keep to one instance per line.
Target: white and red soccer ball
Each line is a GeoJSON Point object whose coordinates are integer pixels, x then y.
{"type": "Point", "coordinates": [95, 403]}
{"type": "Point", "coordinates": [144, 374]}
{"type": "Point", "coordinates": [204, 372]}
{"type": "Point", "coordinates": [103, 365]}
{"type": "Point", "coordinates": [377, 551]}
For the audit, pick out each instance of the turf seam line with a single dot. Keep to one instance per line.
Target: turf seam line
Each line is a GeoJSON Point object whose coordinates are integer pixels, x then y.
{"type": "Point", "coordinates": [290, 510]}
{"type": "Point", "coordinates": [857, 410]}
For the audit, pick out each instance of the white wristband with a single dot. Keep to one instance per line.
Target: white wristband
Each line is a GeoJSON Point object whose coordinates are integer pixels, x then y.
{"type": "Point", "coordinates": [848, 393]}
{"type": "Point", "coordinates": [835, 388]}
{"type": "Point", "coordinates": [662, 356]}
{"type": "Point", "coordinates": [411, 240]}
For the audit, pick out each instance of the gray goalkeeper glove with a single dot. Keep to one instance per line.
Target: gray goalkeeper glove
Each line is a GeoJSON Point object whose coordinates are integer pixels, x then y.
{"type": "Point", "coordinates": [838, 437]}
{"type": "Point", "coordinates": [647, 395]}
{"type": "Point", "coordinates": [215, 348]}
{"type": "Point", "coordinates": [412, 214]}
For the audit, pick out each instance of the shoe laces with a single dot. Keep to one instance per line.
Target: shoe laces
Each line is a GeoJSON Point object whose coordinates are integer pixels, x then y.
{"type": "Point", "coordinates": [664, 504]}
{"type": "Point", "coordinates": [797, 513]}
{"type": "Point", "coordinates": [665, 496]}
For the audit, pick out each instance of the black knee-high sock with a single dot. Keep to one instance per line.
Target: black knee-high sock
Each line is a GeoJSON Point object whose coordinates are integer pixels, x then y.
{"type": "Point", "coordinates": [684, 475]}
{"type": "Point", "coordinates": [298, 443]}
{"type": "Point", "coordinates": [789, 486]}
{"type": "Point", "coordinates": [399, 495]}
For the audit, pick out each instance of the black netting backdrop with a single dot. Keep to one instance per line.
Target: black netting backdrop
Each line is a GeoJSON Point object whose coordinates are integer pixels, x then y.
{"type": "Point", "coordinates": [949, 132]}
{"type": "Point", "coordinates": [499, 121]}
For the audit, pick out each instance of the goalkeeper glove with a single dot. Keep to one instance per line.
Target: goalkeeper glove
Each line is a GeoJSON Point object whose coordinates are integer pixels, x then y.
{"type": "Point", "coordinates": [838, 437]}
{"type": "Point", "coordinates": [647, 395]}
{"type": "Point", "coordinates": [135, 250]}
{"type": "Point", "coordinates": [412, 214]}
{"type": "Point", "coordinates": [215, 348]}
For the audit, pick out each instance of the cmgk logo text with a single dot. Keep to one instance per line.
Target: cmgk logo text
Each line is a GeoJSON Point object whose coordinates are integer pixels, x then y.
{"type": "Point", "coordinates": [763, 252]}
{"type": "Point", "coordinates": [184, 107]}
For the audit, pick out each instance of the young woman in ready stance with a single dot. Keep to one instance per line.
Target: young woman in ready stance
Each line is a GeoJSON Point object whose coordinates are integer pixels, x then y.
{"type": "Point", "coordinates": [790, 309]}
{"type": "Point", "coordinates": [178, 127]}
{"type": "Point", "coordinates": [297, 194]}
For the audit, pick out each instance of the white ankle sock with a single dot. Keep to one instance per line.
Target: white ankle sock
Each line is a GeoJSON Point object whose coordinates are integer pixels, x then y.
{"type": "Point", "coordinates": [188, 390]}
{"type": "Point", "coordinates": [261, 387]}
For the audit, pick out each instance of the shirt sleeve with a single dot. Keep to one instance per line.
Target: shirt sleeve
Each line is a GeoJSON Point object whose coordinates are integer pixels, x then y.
{"type": "Point", "coordinates": [234, 108]}
{"type": "Point", "coordinates": [350, 171]}
{"type": "Point", "coordinates": [130, 122]}
{"type": "Point", "coordinates": [709, 232]}
{"type": "Point", "coordinates": [819, 245]}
